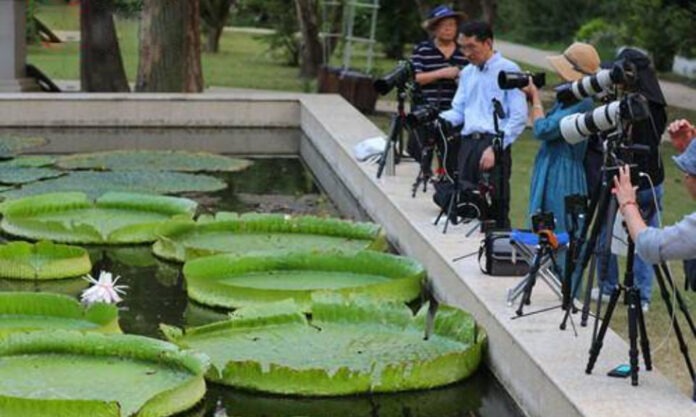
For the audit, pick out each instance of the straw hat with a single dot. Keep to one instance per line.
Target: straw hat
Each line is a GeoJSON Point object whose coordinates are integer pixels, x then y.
{"type": "Point", "coordinates": [578, 60]}
{"type": "Point", "coordinates": [441, 12]}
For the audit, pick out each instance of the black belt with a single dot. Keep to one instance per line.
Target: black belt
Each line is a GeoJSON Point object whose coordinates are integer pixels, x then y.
{"type": "Point", "coordinates": [478, 136]}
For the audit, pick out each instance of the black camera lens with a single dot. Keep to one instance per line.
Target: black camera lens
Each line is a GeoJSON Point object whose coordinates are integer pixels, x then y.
{"type": "Point", "coordinates": [508, 80]}
{"type": "Point", "coordinates": [395, 78]}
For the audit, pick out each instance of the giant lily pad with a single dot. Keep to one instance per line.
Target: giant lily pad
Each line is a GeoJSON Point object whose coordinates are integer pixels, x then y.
{"type": "Point", "coordinates": [98, 183]}
{"type": "Point", "coordinates": [73, 374]}
{"type": "Point", "coordinates": [20, 175]}
{"type": "Point", "coordinates": [29, 161]}
{"type": "Point", "coordinates": [68, 286]}
{"type": "Point", "coordinates": [346, 348]}
{"type": "Point", "coordinates": [11, 145]}
{"type": "Point", "coordinates": [22, 311]}
{"type": "Point", "coordinates": [181, 241]}
{"type": "Point", "coordinates": [113, 218]}
{"type": "Point", "coordinates": [152, 160]}
{"type": "Point", "coordinates": [231, 282]}
{"type": "Point", "coordinates": [43, 260]}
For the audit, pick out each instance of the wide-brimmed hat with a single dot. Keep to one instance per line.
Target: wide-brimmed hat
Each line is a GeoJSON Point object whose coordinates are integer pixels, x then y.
{"type": "Point", "coordinates": [441, 12]}
{"type": "Point", "coordinates": [578, 60]}
{"type": "Point", "coordinates": [687, 160]}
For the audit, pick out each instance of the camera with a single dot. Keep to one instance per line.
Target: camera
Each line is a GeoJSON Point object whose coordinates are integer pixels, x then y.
{"type": "Point", "coordinates": [622, 72]}
{"type": "Point", "coordinates": [508, 80]}
{"type": "Point", "coordinates": [421, 116]}
{"type": "Point", "coordinates": [631, 108]}
{"type": "Point", "coordinates": [397, 77]}
{"type": "Point", "coordinates": [544, 220]}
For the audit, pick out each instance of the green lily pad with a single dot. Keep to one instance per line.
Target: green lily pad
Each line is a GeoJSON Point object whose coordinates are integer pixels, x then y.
{"type": "Point", "coordinates": [11, 145]}
{"type": "Point", "coordinates": [97, 183]}
{"type": "Point", "coordinates": [226, 233]}
{"type": "Point", "coordinates": [346, 348]}
{"type": "Point", "coordinates": [20, 175]}
{"type": "Point", "coordinates": [113, 218]}
{"type": "Point", "coordinates": [128, 160]}
{"type": "Point", "coordinates": [29, 161]}
{"type": "Point", "coordinates": [27, 311]}
{"type": "Point", "coordinates": [43, 260]}
{"type": "Point", "coordinates": [68, 286]}
{"type": "Point", "coordinates": [231, 282]}
{"type": "Point", "coordinates": [73, 374]}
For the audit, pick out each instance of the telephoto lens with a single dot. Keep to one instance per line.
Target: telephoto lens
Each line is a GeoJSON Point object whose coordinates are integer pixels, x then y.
{"type": "Point", "coordinates": [577, 127]}
{"type": "Point", "coordinates": [399, 76]}
{"type": "Point", "coordinates": [507, 80]}
{"type": "Point", "coordinates": [621, 72]}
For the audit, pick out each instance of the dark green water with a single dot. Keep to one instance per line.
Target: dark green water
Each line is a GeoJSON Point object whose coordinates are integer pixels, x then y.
{"type": "Point", "coordinates": [156, 294]}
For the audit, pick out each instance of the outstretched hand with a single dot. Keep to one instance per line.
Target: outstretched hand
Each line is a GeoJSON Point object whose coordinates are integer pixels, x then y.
{"type": "Point", "coordinates": [624, 191]}
{"type": "Point", "coordinates": [681, 131]}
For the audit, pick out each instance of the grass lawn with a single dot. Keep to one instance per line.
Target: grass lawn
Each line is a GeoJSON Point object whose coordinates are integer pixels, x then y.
{"type": "Point", "coordinates": [245, 62]}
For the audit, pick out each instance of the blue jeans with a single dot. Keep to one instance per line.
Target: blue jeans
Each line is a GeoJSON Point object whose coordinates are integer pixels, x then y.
{"type": "Point", "coordinates": [642, 271]}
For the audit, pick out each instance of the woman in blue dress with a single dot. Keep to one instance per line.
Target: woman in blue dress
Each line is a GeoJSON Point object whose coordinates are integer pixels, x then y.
{"type": "Point", "coordinates": [558, 168]}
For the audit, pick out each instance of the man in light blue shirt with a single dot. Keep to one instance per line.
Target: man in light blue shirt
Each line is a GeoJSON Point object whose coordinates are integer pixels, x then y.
{"type": "Point", "coordinates": [473, 106]}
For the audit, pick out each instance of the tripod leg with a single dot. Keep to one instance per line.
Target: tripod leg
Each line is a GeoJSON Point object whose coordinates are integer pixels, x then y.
{"type": "Point", "coordinates": [531, 280]}
{"type": "Point", "coordinates": [666, 296]}
{"type": "Point", "coordinates": [644, 340]}
{"type": "Point", "coordinates": [599, 341]}
{"type": "Point", "coordinates": [633, 305]}
{"type": "Point", "coordinates": [389, 146]}
{"type": "Point", "coordinates": [452, 203]}
{"type": "Point", "coordinates": [680, 300]}
{"type": "Point", "coordinates": [587, 301]}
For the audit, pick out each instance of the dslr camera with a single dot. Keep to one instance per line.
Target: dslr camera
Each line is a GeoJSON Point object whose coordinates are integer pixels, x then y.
{"type": "Point", "coordinates": [507, 80]}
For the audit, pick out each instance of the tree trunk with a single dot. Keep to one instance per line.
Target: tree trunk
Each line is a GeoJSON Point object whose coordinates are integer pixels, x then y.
{"type": "Point", "coordinates": [423, 7]}
{"type": "Point", "coordinates": [214, 14]}
{"type": "Point", "coordinates": [170, 47]}
{"type": "Point", "coordinates": [335, 27]}
{"type": "Point", "coordinates": [472, 8]}
{"type": "Point", "coordinates": [490, 11]}
{"type": "Point", "coordinates": [309, 28]}
{"type": "Point", "coordinates": [101, 66]}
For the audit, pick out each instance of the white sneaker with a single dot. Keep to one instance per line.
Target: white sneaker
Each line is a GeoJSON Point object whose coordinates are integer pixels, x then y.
{"type": "Point", "coordinates": [645, 306]}
{"type": "Point", "coordinates": [594, 295]}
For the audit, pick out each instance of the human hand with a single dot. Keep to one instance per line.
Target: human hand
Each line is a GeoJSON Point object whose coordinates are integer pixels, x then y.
{"type": "Point", "coordinates": [487, 159]}
{"type": "Point", "coordinates": [451, 73]}
{"type": "Point", "coordinates": [681, 132]}
{"type": "Point", "coordinates": [624, 191]}
{"type": "Point", "coordinates": [531, 90]}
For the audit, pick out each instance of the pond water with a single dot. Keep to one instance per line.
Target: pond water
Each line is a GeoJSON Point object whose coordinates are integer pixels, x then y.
{"type": "Point", "coordinates": [156, 294]}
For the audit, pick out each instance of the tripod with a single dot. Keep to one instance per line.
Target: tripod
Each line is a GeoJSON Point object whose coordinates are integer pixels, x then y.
{"type": "Point", "coordinates": [429, 148]}
{"type": "Point", "coordinates": [636, 322]}
{"type": "Point", "coordinates": [392, 148]}
{"type": "Point", "coordinates": [498, 189]}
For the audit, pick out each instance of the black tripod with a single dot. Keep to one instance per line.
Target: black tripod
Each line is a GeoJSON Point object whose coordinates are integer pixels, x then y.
{"type": "Point", "coordinates": [429, 148]}
{"type": "Point", "coordinates": [392, 148]}
{"type": "Point", "coordinates": [546, 247]}
{"type": "Point", "coordinates": [636, 322]}
{"type": "Point", "coordinates": [662, 273]}
{"type": "Point", "coordinates": [498, 171]}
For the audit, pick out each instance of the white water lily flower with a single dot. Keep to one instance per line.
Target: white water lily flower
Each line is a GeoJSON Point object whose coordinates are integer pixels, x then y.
{"type": "Point", "coordinates": [103, 290]}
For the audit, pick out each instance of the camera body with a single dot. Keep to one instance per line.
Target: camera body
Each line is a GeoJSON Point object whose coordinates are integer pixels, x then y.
{"type": "Point", "coordinates": [544, 220]}
{"type": "Point", "coordinates": [507, 80]}
{"type": "Point", "coordinates": [397, 77]}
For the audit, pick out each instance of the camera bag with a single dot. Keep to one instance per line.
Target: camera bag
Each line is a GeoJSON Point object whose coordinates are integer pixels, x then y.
{"type": "Point", "coordinates": [501, 257]}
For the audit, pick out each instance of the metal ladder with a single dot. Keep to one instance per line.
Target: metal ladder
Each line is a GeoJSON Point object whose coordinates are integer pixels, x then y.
{"type": "Point", "coordinates": [347, 35]}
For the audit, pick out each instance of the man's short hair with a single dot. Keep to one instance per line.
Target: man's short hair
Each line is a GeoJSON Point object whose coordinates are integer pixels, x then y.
{"type": "Point", "coordinates": [481, 30]}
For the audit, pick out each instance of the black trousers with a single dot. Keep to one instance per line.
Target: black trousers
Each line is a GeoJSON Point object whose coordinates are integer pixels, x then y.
{"type": "Point", "coordinates": [468, 159]}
